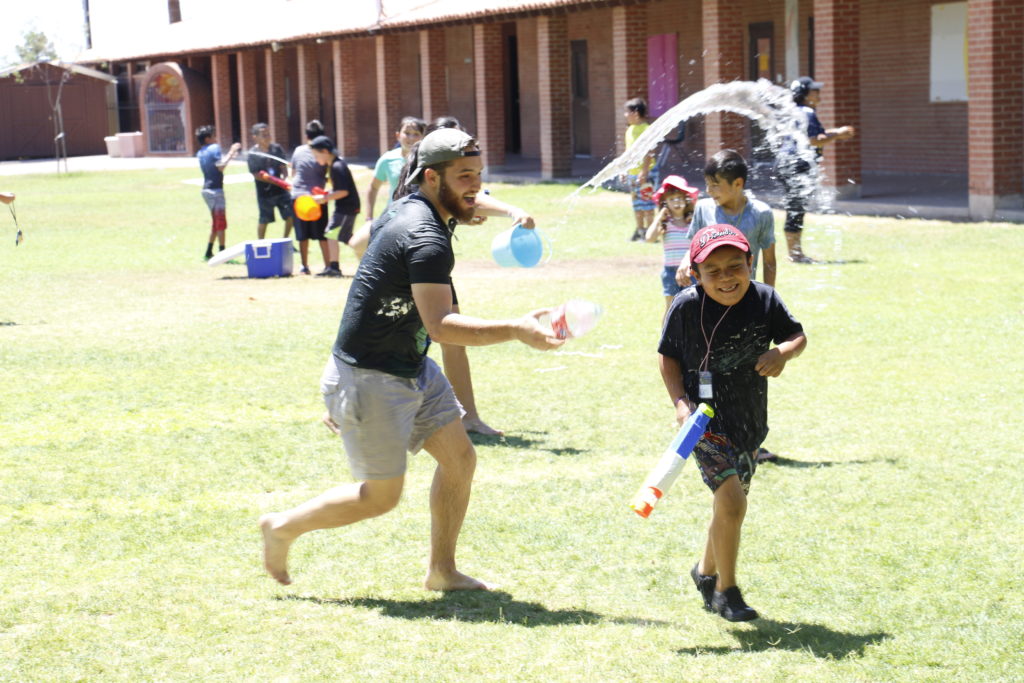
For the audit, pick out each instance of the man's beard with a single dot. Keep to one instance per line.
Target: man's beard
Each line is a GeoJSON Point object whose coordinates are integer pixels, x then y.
{"type": "Point", "coordinates": [452, 203]}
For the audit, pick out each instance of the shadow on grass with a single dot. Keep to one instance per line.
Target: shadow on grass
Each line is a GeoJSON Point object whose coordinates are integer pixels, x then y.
{"type": "Point", "coordinates": [246, 277]}
{"type": "Point", "coordinates": [818, 640]}
{"type": "Point", "coordinates": [837, 262]}
{"type": "Point", "coordinates": [7, 323]}
{"type": "Point", "coordinates": [800, 464]}
{"type": "Point", "coordinates": [515, 441]}
{"type": "Point", "coordinates": [496, 607]}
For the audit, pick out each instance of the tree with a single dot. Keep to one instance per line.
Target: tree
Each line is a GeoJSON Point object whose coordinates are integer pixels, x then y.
{"type": "Point", "coordinates": [36, 48]}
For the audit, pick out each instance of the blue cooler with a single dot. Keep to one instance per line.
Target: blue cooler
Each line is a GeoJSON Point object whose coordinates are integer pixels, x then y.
{"type": "Point", "coordinates": [269, 258]}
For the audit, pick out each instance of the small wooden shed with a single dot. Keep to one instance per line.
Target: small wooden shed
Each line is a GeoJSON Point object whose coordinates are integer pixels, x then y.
{"type": "Point", "coordinates": [28, 93]}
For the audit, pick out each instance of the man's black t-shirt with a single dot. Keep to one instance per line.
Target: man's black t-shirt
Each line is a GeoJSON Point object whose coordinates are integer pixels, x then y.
{"type": "Point", "coordinates": [381, 328]}
{"type": "Point", "coordinates": [745, 332]}
{"type": "Point", "coordinates": [258, 162]}
{"type": "Point", "coordinates": [341, 179]}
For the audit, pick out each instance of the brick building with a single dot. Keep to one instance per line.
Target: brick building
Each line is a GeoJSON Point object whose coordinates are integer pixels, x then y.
{"type": "Point", "coordinates": [932, 87]}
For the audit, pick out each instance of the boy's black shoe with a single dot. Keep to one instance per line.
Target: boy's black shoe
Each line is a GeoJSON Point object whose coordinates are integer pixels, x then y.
{"type": "Point", "coordinates": [705, 585]}
{"type": "Point", "coordinates": [730, 606]}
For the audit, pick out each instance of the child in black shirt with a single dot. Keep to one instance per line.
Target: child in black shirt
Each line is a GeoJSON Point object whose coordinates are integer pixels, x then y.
{"type": "Point", "coordinates": [715, 349]}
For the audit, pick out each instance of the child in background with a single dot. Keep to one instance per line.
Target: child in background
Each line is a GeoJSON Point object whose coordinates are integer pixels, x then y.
{"type": "Point", "coordinates": [725, 175]}
{"type": "Point", "coordinates": [308, 173]}
{"type": "Point", "coordinates": [675, 199]}
{"type": "Point", "coordinates": [643, 206]}
{"type": "Point", "coordinates": [345, 197]}
{"type": "Point", "coordinates": [726, 178]}
{"type": "Point", "coordinates": [715, 348]}
{"type": "Point", "coordinates": [212, 164]}
{"type": "Point", "coordinates": [388, 168]}
{"type": "Point", "coordinates": [268, 195]}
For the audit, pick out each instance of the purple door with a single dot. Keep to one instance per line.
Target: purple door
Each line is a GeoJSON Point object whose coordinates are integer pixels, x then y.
{"type": "Point", "coordinates": [662, 73]}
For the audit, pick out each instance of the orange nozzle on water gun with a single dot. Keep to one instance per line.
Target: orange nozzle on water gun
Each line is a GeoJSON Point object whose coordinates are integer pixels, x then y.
{"type": "Point", "coordinates": [661, 478]}
{"type": "Point", "coordinates": [273, 180]}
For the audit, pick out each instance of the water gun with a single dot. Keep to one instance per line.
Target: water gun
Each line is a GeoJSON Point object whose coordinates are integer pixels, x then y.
{"type": "Point", "coordinates": [319, 190]}
{"type": "Point", "coordinates": [661, 478]}
{"type": "Point", "coordinates": [267, 178]}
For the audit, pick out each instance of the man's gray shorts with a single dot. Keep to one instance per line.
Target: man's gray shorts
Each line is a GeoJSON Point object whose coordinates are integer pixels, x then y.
{"type": "Point", "coordinates": [382, 416]}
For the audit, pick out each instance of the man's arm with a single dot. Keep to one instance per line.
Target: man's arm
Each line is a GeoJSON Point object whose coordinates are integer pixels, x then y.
{"type": "Point", "coordinates": [434, 303]}
{"type": "Point", "coordinates": [486, 205]}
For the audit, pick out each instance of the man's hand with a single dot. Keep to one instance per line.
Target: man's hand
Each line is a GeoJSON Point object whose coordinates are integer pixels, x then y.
{"type": "Point", "coordinates": [524, 219]}
{"type": "Point", "coordinates": [538, 336]}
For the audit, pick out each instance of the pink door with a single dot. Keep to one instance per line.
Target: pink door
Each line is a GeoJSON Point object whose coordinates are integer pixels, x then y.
{"type": "Point", "coordinates": [662, 73]}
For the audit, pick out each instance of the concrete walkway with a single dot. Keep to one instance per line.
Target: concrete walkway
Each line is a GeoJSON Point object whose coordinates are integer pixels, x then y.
{"type": "Point", "coordinates": [932, 196]}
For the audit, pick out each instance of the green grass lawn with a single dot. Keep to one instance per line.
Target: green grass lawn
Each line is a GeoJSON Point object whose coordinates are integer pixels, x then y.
{"type": "Point", "coordinates": [154, 407]}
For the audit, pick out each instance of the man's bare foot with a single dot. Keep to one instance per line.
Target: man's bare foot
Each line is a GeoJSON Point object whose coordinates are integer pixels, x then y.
{"type": "Point", "coordinates": [478, 426]}
{"type": "Point", "coordinates": [275, 551]}
{"type": "Point", "coordinates": [331, 424]}
{"type": "Point", "coordinates": [453, 581]}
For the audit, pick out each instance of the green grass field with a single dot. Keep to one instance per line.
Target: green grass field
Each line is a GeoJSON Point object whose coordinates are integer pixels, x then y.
{"type": "Point", "coordinates": [154, 407]}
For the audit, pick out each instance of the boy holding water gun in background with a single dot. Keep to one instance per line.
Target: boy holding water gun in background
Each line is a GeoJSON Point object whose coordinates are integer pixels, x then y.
{"type": "Point", "coordinates": [715, 349]}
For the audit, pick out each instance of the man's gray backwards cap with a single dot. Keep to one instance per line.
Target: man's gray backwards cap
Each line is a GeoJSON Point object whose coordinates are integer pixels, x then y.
{"type": "Point", "coordinates": [444, 144]}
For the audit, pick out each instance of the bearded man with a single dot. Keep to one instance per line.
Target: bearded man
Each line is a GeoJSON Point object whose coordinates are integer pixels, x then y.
{"type": "Point", "coordinates": [385, 395]}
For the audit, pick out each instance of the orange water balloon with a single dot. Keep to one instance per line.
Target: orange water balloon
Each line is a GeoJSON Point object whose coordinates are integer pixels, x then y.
{"type": "Point", "coordinates": [306, 208]}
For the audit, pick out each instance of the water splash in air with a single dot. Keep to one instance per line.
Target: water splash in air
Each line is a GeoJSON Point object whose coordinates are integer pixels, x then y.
{"type": "Point", "coordinates": [769, 106]}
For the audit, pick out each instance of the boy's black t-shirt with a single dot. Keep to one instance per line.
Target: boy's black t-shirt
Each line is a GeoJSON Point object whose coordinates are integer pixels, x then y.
{"type": "Point", "coordinates": [341, 179]}
{"type": "Point", "coordinates": [258, 162]}
{"type": "Point", "coordinates": [746, 330]}
{"type": "Point", "coordinates": [381, 328]}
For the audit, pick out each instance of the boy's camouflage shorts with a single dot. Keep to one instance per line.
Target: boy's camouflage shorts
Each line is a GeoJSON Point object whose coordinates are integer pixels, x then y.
{"type": "Point", "coordinates": [719, 459]}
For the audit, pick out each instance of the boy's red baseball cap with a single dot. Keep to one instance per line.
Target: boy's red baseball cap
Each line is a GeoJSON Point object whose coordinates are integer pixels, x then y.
{"type": "Point", "coordinates": [714, 236]}
{"type": "Point", "coordinates": [679, 183]}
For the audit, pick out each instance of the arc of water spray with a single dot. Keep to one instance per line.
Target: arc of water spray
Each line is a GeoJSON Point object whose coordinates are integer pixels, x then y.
{"type": "Point", "coordinates": [271, 156]}
{"type": "Point", "coordinates": [769, 106]}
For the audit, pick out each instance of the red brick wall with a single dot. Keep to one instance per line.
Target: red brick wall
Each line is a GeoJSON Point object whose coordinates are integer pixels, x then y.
{"type": "Point", "coordinates": [901, 130]}
{"type": "Point", "coordinates": [996, 113]}
{"type": "Point", "coordinates": [247, 94]}
{"type": "Point", "coordinates": [488, 52]}
{"type": "Point", "coordinates": [325, 72]}
{"type": "Point", "coordinates": [389, 89]}
{"type": "Point", "coordinates": [461, 76]}
{"type": "Point", "coordinates": [629, 47]}
{"type": "Point", "coordinates": [595, 27]}
{"type": "Point", "coordinates": [555, 99]}
{"type": "Point", "coordinates": [308, 72]}
{"type": "Point", "coordinates": [724, 34]}
{"type": "Point", "coordinates": [364, 53]}
{"type": "Point", "coordinates": [346, 87]}
{"type": "Point", "coordinates": [837, 62]}
{"type": "Point", "coordinates": [410, 95]}
{"type": "Point", "coordinates": [276, 117]}
{"type": "Point", "coordinates": [221, 87]}
{"type": "Point", "coordinates": [433, 74]}
{"type": "Point", "coordinates": [529, 98]}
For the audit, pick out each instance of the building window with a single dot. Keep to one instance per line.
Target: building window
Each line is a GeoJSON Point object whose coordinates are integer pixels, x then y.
{"type": "Point", "coordinates": [949, 52]}
{"type": "Point", "coordinates": [174, 11]}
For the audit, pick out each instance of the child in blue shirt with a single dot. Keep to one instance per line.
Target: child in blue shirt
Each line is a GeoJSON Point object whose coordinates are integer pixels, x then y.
{"type": "Point", "coordinates": [212, 164]}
